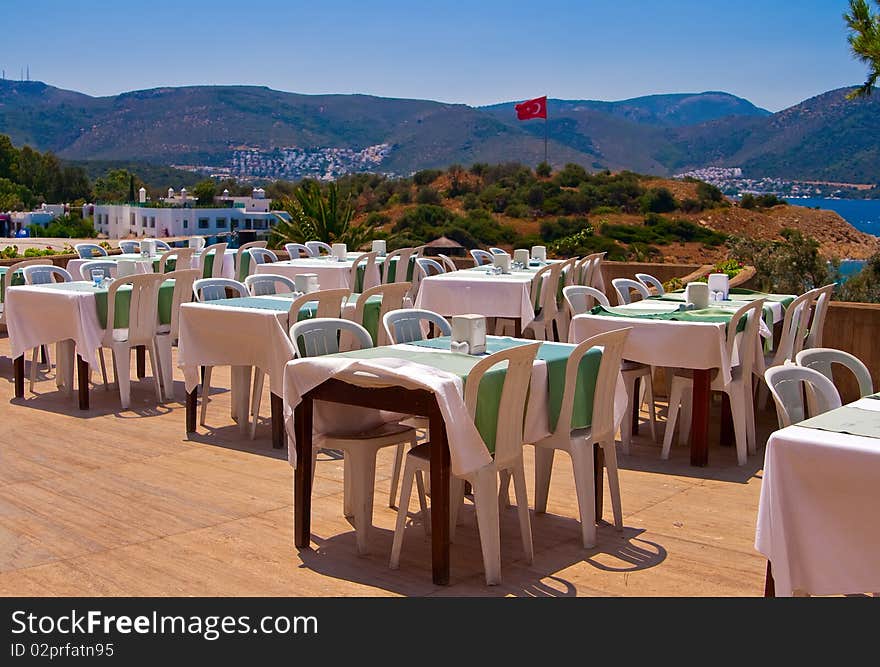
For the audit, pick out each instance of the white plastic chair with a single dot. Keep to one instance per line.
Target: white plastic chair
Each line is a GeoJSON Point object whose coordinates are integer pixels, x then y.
{"type": "Point", "coordinates": [542, 292]}
{"type": "Point", "coordinates": [507, 459]}
{"type": "Point", "coordinates": [108, 268]}
{"type": "Point", "coordinates": [89, 250]}
{"type": "Point", "coordinates": [182, 259]}
{"type": "Point", "coordinates": [623, 286]}
{"type": "Point", "coordinates": [823, 359]}
{"type": "Point", "coordinates": [581, 298]}
{"type": "Point", "coordinates": [239, 270]}
{"type": "Point", "coordinates": [212, 289]}
{"type": "Point", "coordinates": [448, 264]}
{"type": "Point", "coordinates": [142, 328]}
{"type": "Point", "coordinates": [297, 250]}
{"type": "Point", "coordinates": [787, 384]}
{"type": "Point", "coordinates": [481, 257]}
{"type": "Point", "coordinates": [743, 346]}
{"type": "Point", "coordinates": [130, 247]}
{"type": "Point", "coordinates": [370, 269]}
{"type": "Point", "coordinates": [429, 267]}
{"type": "Point", "coordinates": [579, 443]}
{"type": "Point", "coordinates": [650, 281]}
{"type": "Point", "coordinates": [401, 269]}
{"type": "Point", "coordinates": [320, 336]}
{"type": "Point", "coordinates": [217, 250]}
{"type": "Point", "coordinates": [497, 251]}
{"type": "Point", "coordinates": [167, 334]}
{"type": "Point", "coordinates": [43, 274]}
{"type": "Point", "coordinates": [261, 256]}
{"type": "Point", "coordinates": [261, 284]}
{"type": "Point", "coordinates": [392, 299]}
{"type": "Point", "coordinates": [568, 275]}
{"type": "Point", "coordinates": [820, 310]}
{"type": "Point", "coordinates": [162, 245]}
{"type": "Point", "coordinates": [409, 324]}
{"type": "Point", "coordinates": [318, 248]}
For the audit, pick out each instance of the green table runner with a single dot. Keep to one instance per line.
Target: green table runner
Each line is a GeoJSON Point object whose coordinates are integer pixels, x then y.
{"type": "Point", "coordinates": [705, 315]}
{"type": "Point", "coordinates": [745, 296]}
{"type": "Point", "coordinates": [123, 301]}
{"type": "Point", "coordinates": [847, 419]}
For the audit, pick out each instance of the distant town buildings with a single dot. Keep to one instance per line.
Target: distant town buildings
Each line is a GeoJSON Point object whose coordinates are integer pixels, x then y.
{"type": "Point", "coordinates": [732, 181]}
{"type": "Point", "coordinates": [21, 220]}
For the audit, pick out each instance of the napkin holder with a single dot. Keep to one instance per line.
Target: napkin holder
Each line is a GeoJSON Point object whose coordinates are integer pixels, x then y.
{"type": "Point", "coordinates": [197, 242]}
{"type": "Point", "coordinates": [719, 282]}
{"type": "Point", "coordinates": [468, 334]}
{"type": "Point", "coordinates": [148, 247]}
{"type": "Point", "coordinates": [502, 262]}
{"type": "Point", "coordinates": [521, 256]}
{"type": "Point", "coordinates": [338, 251]}
{"type": "Point", "coordinates": [306, 282]}
{"type": "Point", "coordinates": [697, 294]}
{"type": "Point", "coordinates": [539, 253]}
{"type": "Point", "coordinates": [379, 247]}
{"type": "Point", "coordinates": [125, 267]}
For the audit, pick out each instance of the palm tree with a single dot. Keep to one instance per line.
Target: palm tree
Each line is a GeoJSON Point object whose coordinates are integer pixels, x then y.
{"type": "Point", "coordinates": [864, 41]}
{"type": "Point", "coordinates": [315, 216]}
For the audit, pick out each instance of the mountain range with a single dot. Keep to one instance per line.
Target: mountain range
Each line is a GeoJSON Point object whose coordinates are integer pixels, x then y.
{"type": "Point", "coordinates": [826, 138]}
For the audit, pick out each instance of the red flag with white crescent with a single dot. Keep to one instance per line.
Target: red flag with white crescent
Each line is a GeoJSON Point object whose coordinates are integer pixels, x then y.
{"type": "Point", "coordinates": [536, 108]}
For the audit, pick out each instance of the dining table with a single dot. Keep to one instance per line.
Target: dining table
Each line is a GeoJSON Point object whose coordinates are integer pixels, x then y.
{"type": "Point", "coordinates": [817, 515]}
{"type": "Point", "coordinates": [360, 389]}
{"type": "Point", "coordinates": [74, 315]}
{"type": "Point", "coordinates": [150, 264]}
{"type": "Point", "coordinates": [666, 332]}
{"type": "Point", "coordinates": [335, 274]}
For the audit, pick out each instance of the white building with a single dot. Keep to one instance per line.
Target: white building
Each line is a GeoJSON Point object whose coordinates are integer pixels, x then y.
{"type": "Point", "coordinates": [179, 216]}
{"type": "Point", "coordinates": [46, 214]}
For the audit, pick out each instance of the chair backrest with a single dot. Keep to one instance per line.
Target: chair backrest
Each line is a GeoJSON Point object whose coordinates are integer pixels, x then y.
{"type": "Point", "coordinates": [297, 250]}
{"type": "Point", "coordinates": [89, 250]}
{"type": "Point", "coordinates": [650, 281]}
{"type": "Point", "coordinates": [183, 293]}
{"type": "Point", "coordinates": [262, 256]}
{"type": "Point", "coordinates": [392, 299]}
{"type": "Point", "coordinates": [130, 247]}
{"type": "Point", "coordinates": [108, 268]}
{"type": "Point", "coordinates": [584, 270]}
{"type": "Point", "coordinates": [447, 263]}
{"type": "Point", "coordinates": [497, 251]}
{"type": "Point", "coordinates": [261, 284]}
{"type": "Point", "coordinates": [329, 303]}
{"type": "Point", "coordinates": [569, 271]}
{"type": "Point", "coordinates": [794, 328]}
{"type": "Point", "coordinates": [429, 267]}
{"type": "Point", "coordinates": [212, 289]}
{"type": "Point", "coordinates": [623, 286]}
{"type": "Point", "coordinates": [823, 359]}
{"type": "Point", "coordinates": [217, 250]}
{"type": "Point", "coordinates": [318, 248]}
{"type": "Point", "coordinates": [787, 384]}
{"type": "Point", "coordinates": [182, 259]}
{"type": "Point", "coordinates": [481, 257]}
{"type": "Point", "coordinates": [401, 270]}
{"type": "Point", "coordinates": [319, 336]}
{"type": "Point", "coordinates": [161, 245]}
{"type": "Point", "coordinates": [517, 379]}
{"type": "Point", "coordinates": [544, 287]}
{"type": "Point", "coordinates": [43, 274]}
{"type": "Point", "coordinates": [581, 298]}
{"type": "Point", "coordinates": [16, 269]}
{"type": "Point", "coordinates": [602, 427]}
{"type": "Point", "coordinates": [748, 338]}
{"type": "Point", "coordinates": [405, 325]}
{"type": "Point", "coordinates": [240, 270]}
{"type": "Point", "coordinates": [368, 260]}
{"type": "Point", "coordinates": [143, 310]}
{"type": "Point", "coordinates": [820, 310]}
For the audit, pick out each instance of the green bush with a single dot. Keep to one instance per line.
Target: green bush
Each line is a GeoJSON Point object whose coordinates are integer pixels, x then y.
{"type": "Point", "coordinates": [658, 200]}
{"type": "Point", "coordinates": [428, 195]}
{"type": "Point", "coordinates": [426, 176]}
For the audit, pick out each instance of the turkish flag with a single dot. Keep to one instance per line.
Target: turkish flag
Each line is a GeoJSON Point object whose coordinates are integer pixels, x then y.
{"type": "Point", "coordinates": [536, 108]}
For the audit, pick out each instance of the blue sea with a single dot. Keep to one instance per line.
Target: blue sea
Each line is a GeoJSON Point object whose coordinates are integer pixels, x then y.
{"type": "Point", "coordinates": [863, 214]}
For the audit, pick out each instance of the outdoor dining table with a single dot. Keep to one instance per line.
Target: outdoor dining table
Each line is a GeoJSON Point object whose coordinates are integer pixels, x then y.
{"type": "Point", "coordinates": [151, 264]}
{"type": "Point", "coordinates": [662, 335]}
{"type": "Point", "coordinates": [245, 333]}
{"type": "Point", "coordinates": [65, 313]}
{"type": "Point", "coordinates": [817, 515]}
{"type": "Point", "coordinates": [334, 274]}
{"type": "Point", "coordinates": [366, 387]}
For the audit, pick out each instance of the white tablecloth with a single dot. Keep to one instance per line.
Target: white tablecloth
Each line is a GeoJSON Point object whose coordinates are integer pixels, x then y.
{"type": "Point", "coordinates": [818, 514]}
{"type": "Point", "coordinates": [146, 265]}
{"type": "Point", "coordinates": [464, 292]}
{"type": "Point", "coordinates": [331, 275]}
{"type": "Point", "coordinates": [37, 315]}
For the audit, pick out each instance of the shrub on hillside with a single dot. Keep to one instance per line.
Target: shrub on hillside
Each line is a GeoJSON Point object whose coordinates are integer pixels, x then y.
{"type": "Point", "coordinates": [426, 176]}
{"type": "Point", "coordinates": [658, 200]}
{"type": "Point", "coordinates": [790, 266]}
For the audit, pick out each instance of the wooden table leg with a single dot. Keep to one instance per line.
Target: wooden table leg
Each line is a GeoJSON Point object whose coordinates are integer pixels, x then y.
{"type": "Point", "coordinates": [82, 376]}
{"type": "Point", "coordinates": [727, 432]}
{"type": "Point", "coordinates": [191, 409]}
{"type": "Point", "coordinates": [440, 500]}
{"type": "Point", "coordinates": [42, 354]}
{"type": "Point", "coordinates": [517, 327]}
{"type": "Point", "coordinates": [18, 372]}
{"type": "Point", "coordinates": [637, 388]}
{"type": "Point", "coordinates": [700, 419]}
{"type": "Point", "coordinates": [302, 474]}
{"type": "Point", "coordinates": [141, 361]}
{"type": "Point", "coordinates": [769, 584]}
{"type": "Point", "coordinates": [277, 406]}
{"type": "Point", "coordinates": [599, 479]}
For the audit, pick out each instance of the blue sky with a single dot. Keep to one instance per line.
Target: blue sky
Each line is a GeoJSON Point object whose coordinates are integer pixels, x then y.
{"type": "Point", "coordinates": [772, 52]}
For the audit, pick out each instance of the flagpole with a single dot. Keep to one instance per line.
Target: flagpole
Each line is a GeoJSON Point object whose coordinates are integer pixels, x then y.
{"type": "Point", "coordinates": [546, 132]}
